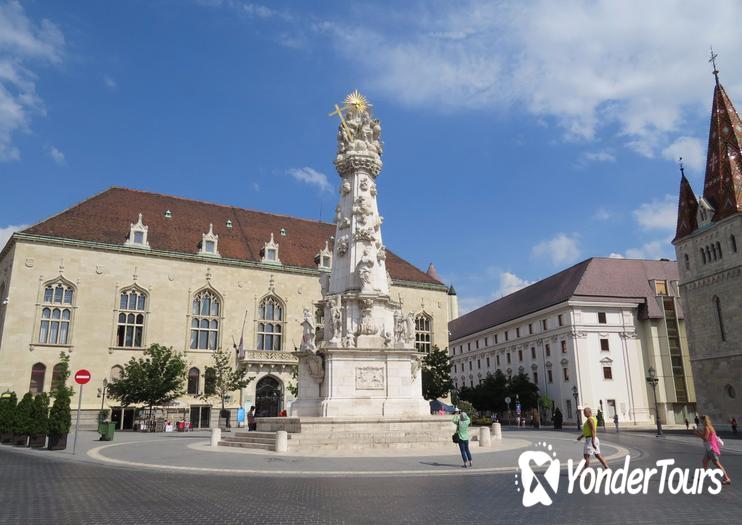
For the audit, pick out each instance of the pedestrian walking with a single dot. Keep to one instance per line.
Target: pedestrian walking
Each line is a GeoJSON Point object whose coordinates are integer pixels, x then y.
{"type": "Point", "coordinates": [696, 421]}
{"type": "Point", "coordinates": [592, 443]}
{"type": "Point", "coordinates": [462, 422]}
{"type": "Point", "coordinates": [615, 421]}
{"type": "Point", "coordinates": [687, 424]}
{"type": "Point", "coordinates": [733, 422]}
{"type": "Point", "coordinates": [251, 425]}
{"type": "Point", "coordinates": [713, 448]}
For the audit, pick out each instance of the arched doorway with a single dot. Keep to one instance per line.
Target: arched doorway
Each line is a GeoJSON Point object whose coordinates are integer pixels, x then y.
{"type": "Point", "coordinates": [268, 397]}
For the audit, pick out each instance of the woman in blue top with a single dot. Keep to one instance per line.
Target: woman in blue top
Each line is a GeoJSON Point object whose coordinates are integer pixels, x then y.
{"type": "Point", "coordinates": [462, 422]}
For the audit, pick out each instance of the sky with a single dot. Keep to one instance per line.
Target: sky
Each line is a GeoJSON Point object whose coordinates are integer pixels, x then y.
{"type": "Point", "coordinates": [520, 137]}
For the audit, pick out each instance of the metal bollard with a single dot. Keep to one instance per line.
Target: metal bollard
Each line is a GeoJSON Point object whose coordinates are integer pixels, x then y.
{"type": "Point", "coordinates": [496, 431]}
{"type": "Point", "coordinates": [282, 441]}
{"type": "Point", "coordinates": [484, 437]}
{"type": "Point", "coordinates": [216, 436]}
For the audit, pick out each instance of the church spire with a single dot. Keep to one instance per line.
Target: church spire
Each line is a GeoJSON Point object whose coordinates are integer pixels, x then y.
{"type": "Point", "coordinates": [687, 207]}
{"type": "Point", "coordinates": [722, 187]}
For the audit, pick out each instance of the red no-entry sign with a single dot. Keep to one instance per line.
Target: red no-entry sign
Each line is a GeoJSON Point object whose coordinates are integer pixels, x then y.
{"type": "Point", "coordinates": [82, 376]}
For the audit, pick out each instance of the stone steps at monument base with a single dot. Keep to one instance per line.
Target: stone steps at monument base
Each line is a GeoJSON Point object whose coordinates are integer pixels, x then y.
{"type": "Point", "coordinates": [257, 440]}
{"type": "Point", "coordinates": [368, 439]}
{"type": "Point", "coordinates": [264, 435]}
{"type": "Point", "coordinates": [260, 446]}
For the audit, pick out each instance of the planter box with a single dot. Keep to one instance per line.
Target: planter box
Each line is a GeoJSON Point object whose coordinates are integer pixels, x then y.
{"type": "Point", "coordinates": [57, 442]}
{"type": "Point", "coordinates": [37, 441]}
{"type": "Point", "coordinates": [20, 440]}
{"type": "Point", "coordinates": [6, 438]}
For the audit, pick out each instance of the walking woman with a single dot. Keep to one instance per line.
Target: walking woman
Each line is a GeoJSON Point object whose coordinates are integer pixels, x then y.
{"type": "Point", "coordinates": [592, 443]}
{"type": "Point", "coordinates": [462, 422]}
{"type": "Point", "coordinates": [713, 450]}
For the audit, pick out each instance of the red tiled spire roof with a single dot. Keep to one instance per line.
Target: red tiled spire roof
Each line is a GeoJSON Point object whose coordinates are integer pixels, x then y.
{"type": "Point", "coordinates": [722, 187]}
{"type": "Point", "coordinates": [687, 209]}
{"type": "Point", "coordinates": [106, 218]}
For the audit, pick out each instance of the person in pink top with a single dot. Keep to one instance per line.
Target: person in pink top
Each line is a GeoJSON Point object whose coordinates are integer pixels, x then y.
{"type": "Point", "coordinates": [713, 450]}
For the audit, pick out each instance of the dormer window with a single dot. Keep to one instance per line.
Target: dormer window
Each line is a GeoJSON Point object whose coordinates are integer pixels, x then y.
{"type": "Point", "coordinates": [209, 243]}
{"type": "Point", "coordinates": [283, 232]}
{"type": "Point", "coordinates": [229, 224]}
{"type": "Point", "coordinates": [324, 258]}
{"type": "Point", "coordinates": [168, 214]}
{"type": "Point", "coordinates": [138, 235]}
{"type": "Point", "coordinates": [270, 252]}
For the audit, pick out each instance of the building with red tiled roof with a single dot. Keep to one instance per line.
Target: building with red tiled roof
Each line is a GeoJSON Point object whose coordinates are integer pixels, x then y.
{"type": "Point", "coordinates": [707, 244]}
{"type": "Point", "coordinates": [124, 269]}
{"type": "Point", "coordinates": [586, 336]}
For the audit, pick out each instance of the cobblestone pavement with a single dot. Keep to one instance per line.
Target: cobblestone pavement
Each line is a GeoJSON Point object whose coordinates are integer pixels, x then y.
{"type": "Point", "coordinates": [35, 488]}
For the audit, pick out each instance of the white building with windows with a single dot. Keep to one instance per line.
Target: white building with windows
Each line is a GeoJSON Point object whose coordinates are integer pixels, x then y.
{"type": "Point", "coordinates": [587, 336]}
{"type": "Point", "coordinates": [108, 277]}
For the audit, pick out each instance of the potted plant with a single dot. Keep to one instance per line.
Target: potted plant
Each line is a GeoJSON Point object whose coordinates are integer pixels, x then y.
{"type": "Point", "coordinates": [39, 421]}
{"type": "Point", "coordinates": [22, 421]}
{"type": "Point", "coordinates": [7, 413]}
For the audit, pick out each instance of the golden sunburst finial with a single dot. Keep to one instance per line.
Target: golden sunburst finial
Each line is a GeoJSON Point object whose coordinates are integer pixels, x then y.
{"type": "Point", "coordinates": [357, 102]}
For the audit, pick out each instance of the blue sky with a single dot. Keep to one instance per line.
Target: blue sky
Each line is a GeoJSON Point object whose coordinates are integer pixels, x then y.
{"type": "Point", "coordinates": [519, 137]}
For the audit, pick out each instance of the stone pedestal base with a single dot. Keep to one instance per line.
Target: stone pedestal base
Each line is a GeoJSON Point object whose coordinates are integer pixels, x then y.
{"type": "Point", "coordinates": [365, 383]}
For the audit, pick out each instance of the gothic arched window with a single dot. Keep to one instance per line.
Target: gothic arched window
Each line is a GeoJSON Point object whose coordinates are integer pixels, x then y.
{"type": "Point", "coordinates": [270, 324]}
{"type": "Point", "coordinates": [719, 318]}
{"type": "Point", "coordinates": [38, 373]}
{"type": "Point", "coordinates": [58, 378]}
{"type": "Point", "coordinates": [423, 333]}
{"type": "Point", "coordinates": [56, 314]}
{"type": "Point", "coordinates": [132, 311]}
{"type": "Point", "coordinates": [194, 377]}
{"type": "Point", "coordinates": [205, 312]}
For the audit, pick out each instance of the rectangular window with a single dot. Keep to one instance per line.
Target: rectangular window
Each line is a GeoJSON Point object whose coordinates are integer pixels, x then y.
{"type": "Point", "coordinates": [479, 364]}
{"type": "Point", "coordinates": [209, 247]}
{"type": "Point", "coordinates": [495, 338]}
{"type": "Point", "coordinates": [568, 404]}
{"type": "Point", "coordinates": [533, 353]}
{"type": "Point", "coordinates": [544, 325]}
{"type": "Point", "coordinates": [559, 320]}
{"type": "Point", "coordinates": [486, 341]}
{"type": "Point", "coordinates": [139, 237]}
{"type": "Point", "coordinates": [660, 287]}
{"type": "Point", "coordinates": [520, 355]}
{"type": "Point", "coordinates": [468, 347]}
{"type": "Point", "coordinates": [454, 368]}
{"type": "Point", "coordinates": [270, 254]}
{"type": "Point", "coordinates": [477, 344]}
{"type": "Point", "coordinates": [508, 357]}
{"type": "Point", "coordinates": [548, 350]}
{"type": "Point", "coordinates": [488, 362]}
{"type": "Point", "coordinates": [604, 345]}
{"type": "Point", "coordinates": [535, 377]}
{"type": "Point", "coordinates": [469, 365]}
{"type": "Point", "coordinates": [517, 332]}
{"type": "Point", "coordinates": [549, 376]}
{"type": "Point", "coordinates": [602, 318]}
{"type": "Point", "coordinates": [507, 336]}
{"type": "Point", "coordinates": [530, 328]}
{"type": "Point", "coordinates": [565, 371]}
{"type": "Point", "coordinates": [607, 372]}
{"type": "Point", "coordinates": [564, 346]}
{"type": "Point", "coordinates": [497, 360]}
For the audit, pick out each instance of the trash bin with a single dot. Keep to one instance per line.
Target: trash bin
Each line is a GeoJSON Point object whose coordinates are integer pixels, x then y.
{"type": "Point", "coordinates": [106, 430]}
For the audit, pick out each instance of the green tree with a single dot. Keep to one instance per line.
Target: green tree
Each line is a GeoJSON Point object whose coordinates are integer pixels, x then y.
{"type": "Point", "coordinates": [22, 421]}
{"type": "Point", "coordinates": [153, 380]}
{"type": "Point", "coordinates": [526, 391]}
{"type": "Point", "coordinates": [224, 378]}
{"type": "Point", "coordinates": [60, 415]}
{"type": "Point", "coordinates": [467, 407]}
{"type": "Point", "coordinates": [8, 402]}
{"type": "Point", "coordinates": [293, 386]}
{"type": "Point", "coordinates": [40, 415]}
{"type": "Point", "coordinates": [436, 374]}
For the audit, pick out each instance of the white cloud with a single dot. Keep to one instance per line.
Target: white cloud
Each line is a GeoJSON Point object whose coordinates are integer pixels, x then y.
{"type": "Point", "coordinates": [22, 42]}
{"type": "Point", "coordinates": [562, 249]}
{"type": "Point", "coordinates": [509, 283]}
{"type": "Point", "coordinates": [312, 177]}
{"type": "Point", "coordinates": [57, 156]}
{"type": "Point", "coordinates": [7, 231]}
{"type": "Point", "coordinates": [691, 149]}
{"type": "Point", "coordinates": [622, 69]}
{"type": "Point", "coordinates": [660, 249]}
{"type": "Point", "coordinates": [598, 156]}
{"type": "Point", "coordinates": [658, 214]}
{"type": "Point", "coordinates": [602, 214]}
{"type": "Point", "coordinates": [255, 186]}
{"type": "Point", "coordinates": [110, 83]}
{"type": "Point", "coordinates": [614, 255]}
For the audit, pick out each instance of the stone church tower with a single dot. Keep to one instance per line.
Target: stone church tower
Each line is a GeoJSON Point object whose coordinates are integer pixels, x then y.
{"type": "Point", "coordinates": [708, 244]}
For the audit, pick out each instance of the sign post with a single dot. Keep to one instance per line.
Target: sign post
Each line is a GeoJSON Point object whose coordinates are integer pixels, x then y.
{"type": "Point", "coordinates": [81, 377]}
{"type": "Point", "coordinates": [508, 400]}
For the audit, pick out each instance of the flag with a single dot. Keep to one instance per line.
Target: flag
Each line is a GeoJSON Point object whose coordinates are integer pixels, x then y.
{"type": "Point", "coordinates": [241, 348]}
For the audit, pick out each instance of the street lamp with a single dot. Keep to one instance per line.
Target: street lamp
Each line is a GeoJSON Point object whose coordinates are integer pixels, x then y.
{"type": "Point", "coordinates": [577, 407]}
{"type": "Point", "coordinates": [653, 380]}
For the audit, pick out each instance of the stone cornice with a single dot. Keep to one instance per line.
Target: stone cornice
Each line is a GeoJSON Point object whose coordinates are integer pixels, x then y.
{"type": "Point", "coordinates": [715, 277]}
{"type": "Point", "coordinates": [197, 258]}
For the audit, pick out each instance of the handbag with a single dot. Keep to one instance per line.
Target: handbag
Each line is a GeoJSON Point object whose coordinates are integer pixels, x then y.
{"type": "Point", "coordinates": [455, 438]}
